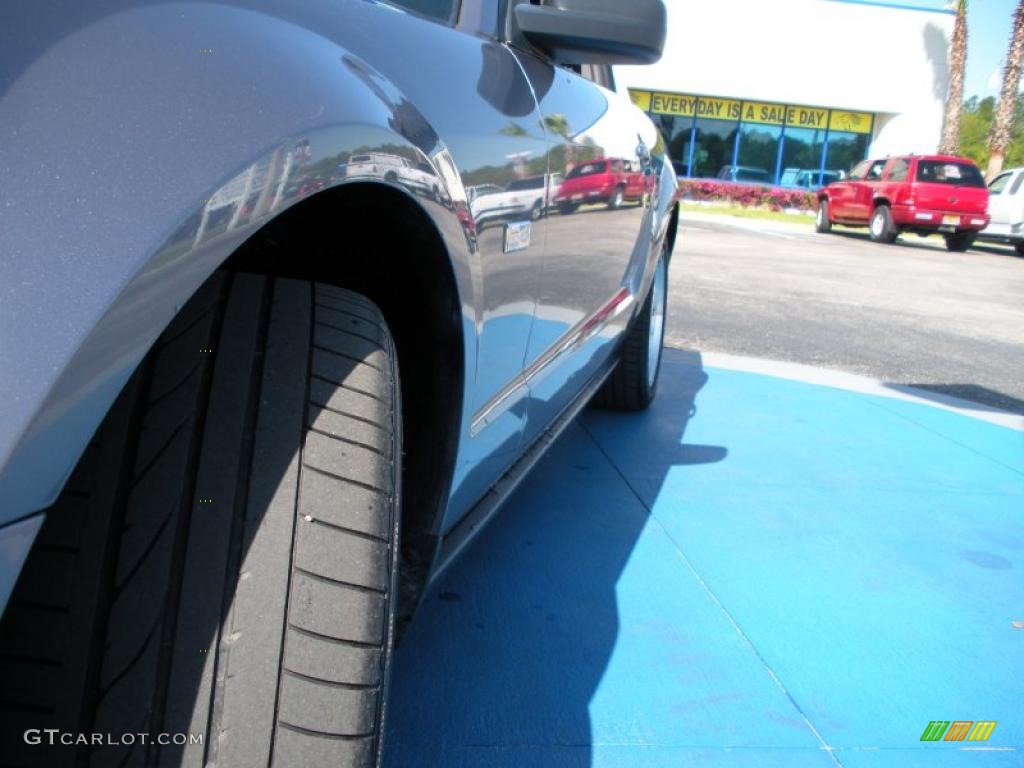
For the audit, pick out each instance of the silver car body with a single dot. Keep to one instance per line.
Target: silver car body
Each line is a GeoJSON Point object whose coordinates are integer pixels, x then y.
{"type": "Point", "coordinates": [144, 143]}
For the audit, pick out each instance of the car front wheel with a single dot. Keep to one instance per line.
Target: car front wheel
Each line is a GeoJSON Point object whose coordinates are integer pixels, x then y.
{"type": "Point", "coordinates": [881, 226]}
{"type": "Point", "coordinates": [225, 554]}
{"type": "Point", "coordinates": [633, 383]}
{"type": "Point", "coordinates": [822, 218]}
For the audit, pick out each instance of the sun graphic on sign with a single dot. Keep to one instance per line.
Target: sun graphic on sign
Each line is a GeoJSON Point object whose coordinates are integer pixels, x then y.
{"type": "Point", "coordinates": [845, 121]}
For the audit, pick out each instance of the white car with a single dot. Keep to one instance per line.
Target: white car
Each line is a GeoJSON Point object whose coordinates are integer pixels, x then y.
{"type": "Point", "coordinates": [416, 177]}
{"type": "Point", "coordinates": [520, 198]}
{"type": "Point", "coordinates": [1006, 208]}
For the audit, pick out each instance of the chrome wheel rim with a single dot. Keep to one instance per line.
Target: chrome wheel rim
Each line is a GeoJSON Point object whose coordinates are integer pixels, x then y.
{"type": "Point", "coordinates": [821, 215]}
{"type": "Point", "coordinates": [656, 329]}
{"type": "Point", "coordinates": [876, 225]}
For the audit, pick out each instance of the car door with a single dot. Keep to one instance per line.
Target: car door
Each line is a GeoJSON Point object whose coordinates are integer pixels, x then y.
{"type": "Point", "coordinates": [466, 99]}
{"type": "Point", "coordinates": [591, 250]}
{"type": "Point", "coordinates": [841, 192]}
{"type": "Point", "coordinates": [1006, 201]}
{"type": "Point", "coordinates": [863, 193]}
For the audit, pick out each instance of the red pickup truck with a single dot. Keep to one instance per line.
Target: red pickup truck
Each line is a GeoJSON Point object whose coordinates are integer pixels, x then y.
{"type": "Point", "coordinates": [926, 194]}
{"type": "Point", "coordinates": [611, 181]}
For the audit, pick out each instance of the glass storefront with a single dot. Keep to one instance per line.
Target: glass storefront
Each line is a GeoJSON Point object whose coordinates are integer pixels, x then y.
{"type": "Point", "coordinates": [754, 141]}
{"type": "Point", "coordinates": [713, 145]}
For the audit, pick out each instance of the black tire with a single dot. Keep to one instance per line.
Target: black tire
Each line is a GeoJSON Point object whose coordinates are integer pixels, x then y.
{"type": "Point", "coordinates": [616, 199]}
{"type": "Point", "coordinates": [566, 208]}
{"type": "Point", "coordinates": [223, 560]}
{"type": "Point", "coordinates": [823, 217]}
{"type": "Point", "coordinates": [959, 242]}
{"type": "Point", "coordinates": [1019, 247]}
{"type": "Point", "coordinates": [633, 384]}
{"type": "Point", "coordinates": [536, 211]}
{"type": "Point", "coordinates": [881, 226]}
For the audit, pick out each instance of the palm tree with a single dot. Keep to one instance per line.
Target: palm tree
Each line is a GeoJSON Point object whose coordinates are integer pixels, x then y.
{"type": "Point", "coordinates": [999, 139]}
{"type": "Point", "coordinates": [950, 143]}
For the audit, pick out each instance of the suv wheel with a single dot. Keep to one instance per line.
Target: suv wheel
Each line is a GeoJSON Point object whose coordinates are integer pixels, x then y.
{"type": "Point", "coordinates": [535, 211]}
{"type": "Point", "coordinates": [633, 383]}
{"type": "Point", "coordinates": [1019, 247]}
{"type": "Point", "coordinates": [881, 226]}
{"type": "Point", "coordinates": [959, 241]}
{"type": "Point", "coordinates": [823, 218]}
{"type": "Point", "coordinates": [224, 556]}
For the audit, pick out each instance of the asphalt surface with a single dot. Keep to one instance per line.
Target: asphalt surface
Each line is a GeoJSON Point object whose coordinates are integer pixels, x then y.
{"type": "Point", "coordinates": [908, 314]}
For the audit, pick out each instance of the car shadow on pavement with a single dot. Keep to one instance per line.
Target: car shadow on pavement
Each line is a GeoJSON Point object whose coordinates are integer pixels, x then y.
{"type": "Point", "coordinates": [911, 240]}
{"type": "Point", "coordinates": [501, 664]}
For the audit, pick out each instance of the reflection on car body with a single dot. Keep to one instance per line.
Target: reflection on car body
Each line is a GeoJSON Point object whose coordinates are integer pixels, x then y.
{"type": "Point", "coordinates": [289, 370]}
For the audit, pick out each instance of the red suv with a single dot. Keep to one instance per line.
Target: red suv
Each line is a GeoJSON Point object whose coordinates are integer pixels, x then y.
{"type": "Point", "coordinates": [608, 181]}
{"type": "Point", "coordinates": [931, 193]}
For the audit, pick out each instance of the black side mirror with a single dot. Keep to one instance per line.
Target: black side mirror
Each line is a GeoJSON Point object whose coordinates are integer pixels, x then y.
{"type": "Point", "coordinates": [596, 31]}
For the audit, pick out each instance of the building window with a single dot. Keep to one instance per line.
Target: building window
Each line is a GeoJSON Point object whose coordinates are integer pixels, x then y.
{"type": "Point", "coordinates": [802, 149]}
{"type": "Point", "coordinates": [677, 132]}
{"type": "Point", "coordinates": [844, 150]}
{"type": "Point", "coordinates": [713, 146]}
{"type": "Point", "coordinates": [759, 149]}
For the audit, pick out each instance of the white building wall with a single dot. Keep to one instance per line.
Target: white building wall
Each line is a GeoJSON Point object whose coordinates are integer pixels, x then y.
{"type": "Point", "coordinates": [820, 53]}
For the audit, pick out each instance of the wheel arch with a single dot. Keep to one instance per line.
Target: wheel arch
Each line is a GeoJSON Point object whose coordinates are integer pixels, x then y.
{"type": "Point", "coordinates": [394, 255]}
{"type": "Point", "coordinates": [132, 249]}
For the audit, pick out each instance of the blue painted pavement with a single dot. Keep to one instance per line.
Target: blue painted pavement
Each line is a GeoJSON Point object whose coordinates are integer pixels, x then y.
{"type": "Point", "coordinates": [756, 572]}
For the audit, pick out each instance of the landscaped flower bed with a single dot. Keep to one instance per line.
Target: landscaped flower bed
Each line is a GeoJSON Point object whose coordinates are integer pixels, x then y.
{"type": "Point", "coordinates": [746, 195]}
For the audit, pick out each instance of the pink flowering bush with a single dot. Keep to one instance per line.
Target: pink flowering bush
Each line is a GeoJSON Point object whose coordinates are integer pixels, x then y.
{"type": "Point", "coordinates": [775, 198]}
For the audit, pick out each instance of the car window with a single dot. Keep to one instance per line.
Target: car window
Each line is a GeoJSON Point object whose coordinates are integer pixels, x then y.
{"type": "Point", "coordinates": [600, 74]}
{"type": "Point", "coordinates": [999, 183]}
{"type": "Point", "coordinates": [586, 169]}
{"type": "Point", "coordinates": [751, 174]}
{"type": "Point", "coordinates": [442, 10]}
{"type": "Point", "coordinates": [875, 172]}
{"type": "Point", "coordinates": [946, 172]}
{"type": "Point", "coordinates": [858, 171]}
{"type": "Point", "coordinates": [536, 182]}
{"type": "Point", "coordinates": [1016, 185]}
{"type": "Point", "coordinates": [899, 170]}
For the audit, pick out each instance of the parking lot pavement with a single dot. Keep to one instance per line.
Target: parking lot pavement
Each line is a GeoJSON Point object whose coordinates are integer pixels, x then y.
{"type": "Point", "coordinates": [758, 571]}
{"type": "Point", "coordinates": [910, 313]}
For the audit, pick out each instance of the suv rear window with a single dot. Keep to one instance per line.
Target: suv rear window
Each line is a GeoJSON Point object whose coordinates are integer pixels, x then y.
{"type": "Point", "coordinates": [942, 172]}
{"type": "Point", "coordinates": [587, 169]}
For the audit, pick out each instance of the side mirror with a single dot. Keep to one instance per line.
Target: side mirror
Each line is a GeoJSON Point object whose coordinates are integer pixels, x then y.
{"type": "Point", "coordinates": [596, 31]}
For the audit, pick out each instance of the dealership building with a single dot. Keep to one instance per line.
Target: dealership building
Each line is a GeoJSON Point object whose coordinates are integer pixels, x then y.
{"type": "Point", "coordinates": [796, 91]}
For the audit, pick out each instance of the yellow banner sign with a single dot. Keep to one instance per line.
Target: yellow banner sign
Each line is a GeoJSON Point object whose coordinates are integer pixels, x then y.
{"type": "Point", "coordinates": [852, 122]}
{"type": "Point", "coordinates": [642, 99]}
{"type": "Point", "coordinates": [673, 104]}
{"type": "Point", "coordinates": [718, 109]}
{"type": "Point", "coordinates": [766, 114]}
{"type": "Point", "coordinates": [806, 117]}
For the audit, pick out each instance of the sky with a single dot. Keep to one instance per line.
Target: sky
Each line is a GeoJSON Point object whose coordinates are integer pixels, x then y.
{"type": "Point", "coordinates": [988, 37]}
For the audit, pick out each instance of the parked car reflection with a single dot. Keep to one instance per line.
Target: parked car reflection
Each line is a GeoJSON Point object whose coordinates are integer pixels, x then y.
{"type": "Point", "coordinates": [416, 176]}
{"type": "Point", "coordinates": [611, 181]}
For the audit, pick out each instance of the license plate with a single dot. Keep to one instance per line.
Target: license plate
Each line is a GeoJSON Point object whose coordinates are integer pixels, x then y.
{"type": "Point", "coordinates": [951, 221]}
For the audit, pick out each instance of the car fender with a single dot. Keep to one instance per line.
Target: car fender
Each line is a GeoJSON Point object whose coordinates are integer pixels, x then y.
{"type": "Point", "coordinates": [178, 109]}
